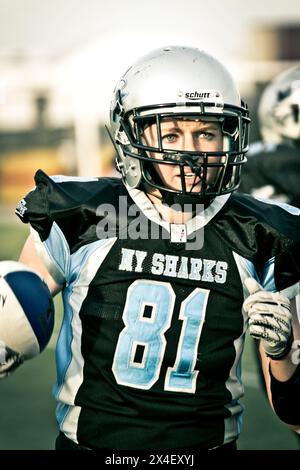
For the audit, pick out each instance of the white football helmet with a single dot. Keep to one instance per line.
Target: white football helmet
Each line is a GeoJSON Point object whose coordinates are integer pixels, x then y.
{"type": "Point", "coordinates": [178, 83]}
{"type": "Point", "coordinates": [279, 109]}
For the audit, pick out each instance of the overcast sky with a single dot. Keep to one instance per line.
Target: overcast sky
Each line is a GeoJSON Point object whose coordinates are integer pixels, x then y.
{"type": "Point", "coordinates": [55, 27]}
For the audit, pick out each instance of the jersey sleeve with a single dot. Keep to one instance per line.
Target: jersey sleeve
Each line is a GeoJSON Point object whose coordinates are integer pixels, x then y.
{"type": "Point", "coordinates": [63, 212]}
{"type": "Point", "coordinates": [282, 266]}
{"type": "Point", "coordinates": [265, 236]}
{"type": "Point", "coordinates": [50, 241]}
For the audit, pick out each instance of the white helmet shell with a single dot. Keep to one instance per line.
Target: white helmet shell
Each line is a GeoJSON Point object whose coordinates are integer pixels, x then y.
{"type": "Point", "coordinates": [175, 74]}
{"type": "Point", "coordinates": [173, 80]}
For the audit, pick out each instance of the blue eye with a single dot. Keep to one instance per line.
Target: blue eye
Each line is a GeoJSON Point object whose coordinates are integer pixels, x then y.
{"type": "Point", "coordinates": [170, 137]}
{"type": "Point", "coordinates": [207, 135]}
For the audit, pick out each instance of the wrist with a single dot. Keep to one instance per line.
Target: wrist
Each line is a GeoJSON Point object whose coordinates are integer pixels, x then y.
{"type": "Point", "coordinates": [283, 353]}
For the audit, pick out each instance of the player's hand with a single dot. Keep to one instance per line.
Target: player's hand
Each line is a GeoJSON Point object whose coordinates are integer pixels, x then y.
{"type": "Point", "coordinates": [269, 319]}
{"type": "Point", "coordinates": [9, 360]}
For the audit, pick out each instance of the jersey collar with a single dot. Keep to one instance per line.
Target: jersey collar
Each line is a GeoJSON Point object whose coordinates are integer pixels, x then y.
{"type": "Point", "coordinates": [199, 221]}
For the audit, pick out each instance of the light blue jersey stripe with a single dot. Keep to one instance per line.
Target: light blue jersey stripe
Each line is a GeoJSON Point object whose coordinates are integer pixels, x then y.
{"type": "Point", "coordinates": [84, 265]}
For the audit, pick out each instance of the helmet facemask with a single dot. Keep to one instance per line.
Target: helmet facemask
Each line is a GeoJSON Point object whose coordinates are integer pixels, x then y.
{"type": "Point", "coordinates": [154, 139]}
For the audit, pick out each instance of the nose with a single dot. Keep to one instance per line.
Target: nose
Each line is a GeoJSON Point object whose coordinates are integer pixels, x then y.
{"type": "Point", "coordinates": [189, 142]}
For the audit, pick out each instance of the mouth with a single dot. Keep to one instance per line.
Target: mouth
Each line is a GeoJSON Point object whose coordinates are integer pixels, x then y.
{"type": "Point", "coordinates": [190, 178]}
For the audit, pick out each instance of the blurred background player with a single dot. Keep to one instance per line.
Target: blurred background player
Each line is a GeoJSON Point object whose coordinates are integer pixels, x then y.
{"type": "Point", "coordinates": [273, 167]}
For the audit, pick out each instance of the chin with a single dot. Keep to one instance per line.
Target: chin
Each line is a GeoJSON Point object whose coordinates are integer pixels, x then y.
{"type": "Point", "coordinates": [196, 189]}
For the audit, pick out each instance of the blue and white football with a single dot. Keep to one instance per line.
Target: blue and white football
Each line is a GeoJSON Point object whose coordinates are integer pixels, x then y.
{"type": "Point", "coordinates": [26, 309]}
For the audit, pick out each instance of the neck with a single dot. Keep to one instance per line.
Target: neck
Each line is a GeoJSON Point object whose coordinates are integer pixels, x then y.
{"type": "Point", "coordinates": [167, 213]}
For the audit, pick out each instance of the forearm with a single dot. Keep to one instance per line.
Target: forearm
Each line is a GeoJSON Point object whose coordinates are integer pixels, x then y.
{"type": "Point", "coordinates": [285, 397]}
{"type": "Point", "coordinates": [285, 382]}
{"type": "Point", "coordinates": [283, 369]}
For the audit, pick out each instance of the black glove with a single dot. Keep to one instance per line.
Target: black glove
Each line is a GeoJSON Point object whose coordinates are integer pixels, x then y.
{"type": "Point", "coordinates": [9, 360]}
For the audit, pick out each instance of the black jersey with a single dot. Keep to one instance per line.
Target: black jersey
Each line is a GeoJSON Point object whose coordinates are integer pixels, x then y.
{"type": "Point", "coordinates": [272, 171]}
{"type": "Point", "coordinates": [149, 353]}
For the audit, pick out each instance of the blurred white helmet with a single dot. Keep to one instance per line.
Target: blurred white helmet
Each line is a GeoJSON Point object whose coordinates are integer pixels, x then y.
{"type": "Point", "coordinates": [279, 109]}
{"type": "Point", "coordinates": [179, 83]}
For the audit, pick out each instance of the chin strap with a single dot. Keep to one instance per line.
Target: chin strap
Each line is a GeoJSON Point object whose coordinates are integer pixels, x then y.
{"type": "Point", "coordinates": [188, 202]}
{"type": "Point", "coordinates": [193, 162]}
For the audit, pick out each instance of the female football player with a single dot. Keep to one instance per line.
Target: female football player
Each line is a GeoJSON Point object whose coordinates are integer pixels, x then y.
{"type": "Point", "coordinates": [163, 271]}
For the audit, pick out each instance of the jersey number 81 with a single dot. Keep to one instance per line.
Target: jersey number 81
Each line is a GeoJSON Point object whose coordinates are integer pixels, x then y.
{"type": "Point", "coordinates": [141, 345]}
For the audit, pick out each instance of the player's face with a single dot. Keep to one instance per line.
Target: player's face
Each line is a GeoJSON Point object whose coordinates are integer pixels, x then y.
{"type": "Point", "coordinates": [185, 135]}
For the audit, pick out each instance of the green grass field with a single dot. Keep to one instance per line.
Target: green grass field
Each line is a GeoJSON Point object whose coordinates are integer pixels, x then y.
{"type": "Point", "coordinates": [27, 407]}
